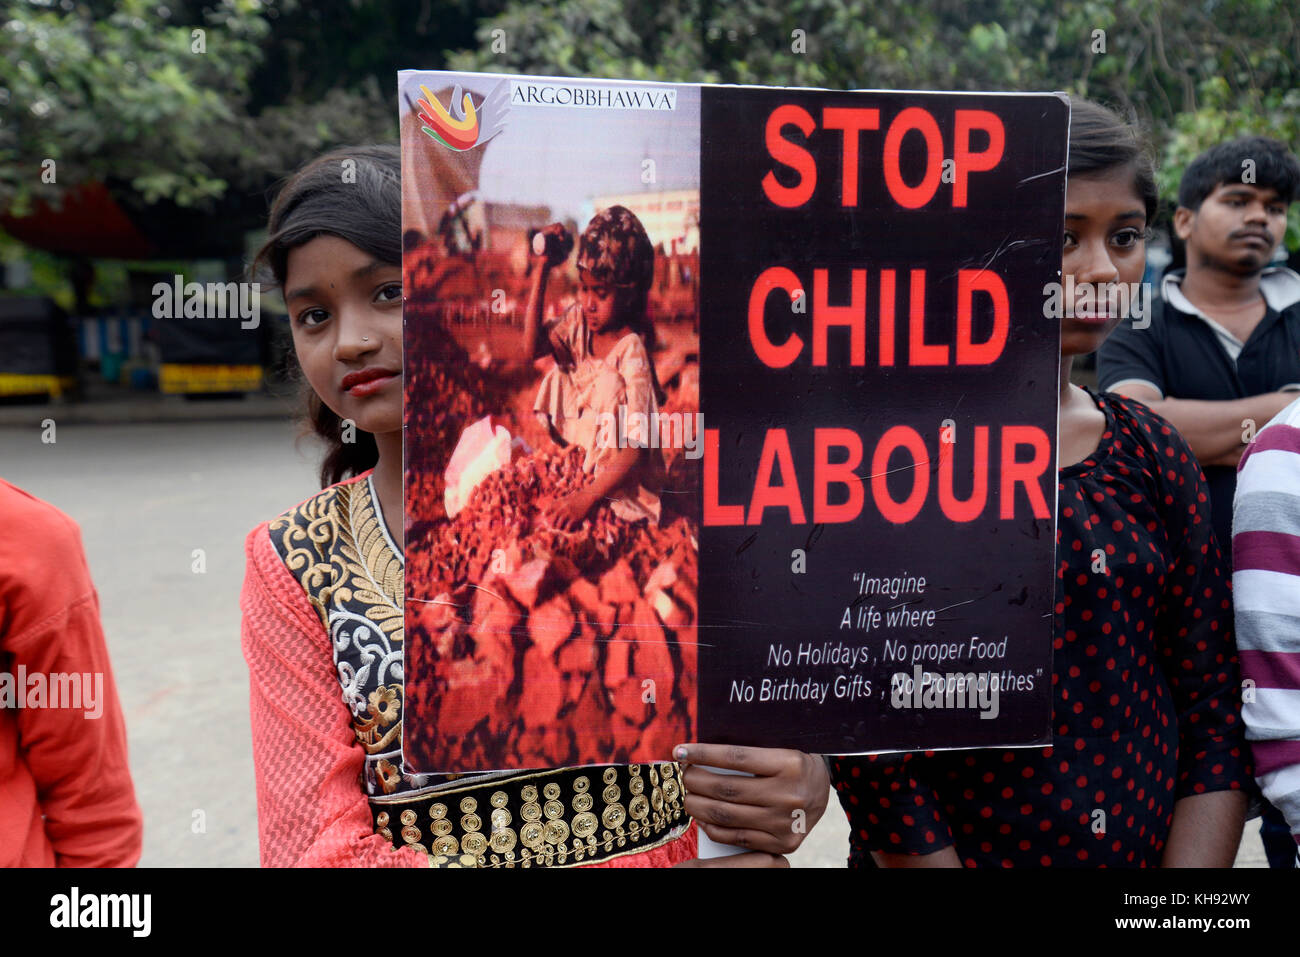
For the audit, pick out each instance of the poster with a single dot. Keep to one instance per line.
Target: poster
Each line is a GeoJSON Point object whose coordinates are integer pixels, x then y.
{"type": "Point", "coordinates": [730, 416]}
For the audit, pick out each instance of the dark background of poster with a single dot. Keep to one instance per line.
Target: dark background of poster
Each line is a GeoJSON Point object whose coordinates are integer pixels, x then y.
{"type": "Point", "coordinates": [994, 577]}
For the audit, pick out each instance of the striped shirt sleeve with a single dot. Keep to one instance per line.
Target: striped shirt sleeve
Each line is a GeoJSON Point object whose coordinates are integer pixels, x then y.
{"type": "Point", "coordinates": [1266, 589]}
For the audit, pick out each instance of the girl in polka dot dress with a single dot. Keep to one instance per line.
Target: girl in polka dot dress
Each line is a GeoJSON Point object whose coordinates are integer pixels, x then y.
{"type": "Point", "coordinates": [1148, 765]}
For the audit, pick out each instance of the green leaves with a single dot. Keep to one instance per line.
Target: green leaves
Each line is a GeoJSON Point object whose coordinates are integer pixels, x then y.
{"type": "Point", "coordinates": [118, 97]}
{"type": "Point", "coordinates": [1192, 77]}
{"type": "Point", "coordinates": [136, 97]}
{"type": "Point", "coordinates": [115, 90]}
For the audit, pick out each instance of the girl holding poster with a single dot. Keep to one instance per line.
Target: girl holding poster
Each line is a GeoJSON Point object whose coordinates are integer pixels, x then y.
{"type": "Point", "coordinates": [323, 605]}
{"type": "Point", "coordinates": [1148, 764]}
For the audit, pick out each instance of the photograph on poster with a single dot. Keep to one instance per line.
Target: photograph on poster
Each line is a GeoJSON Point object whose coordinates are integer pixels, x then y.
{"type": "Point", "coordinates": [552, 347]}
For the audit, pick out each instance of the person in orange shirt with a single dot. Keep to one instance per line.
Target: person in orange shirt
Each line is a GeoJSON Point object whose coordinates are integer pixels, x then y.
{"type": "Point", "coordinates": [66, 797]}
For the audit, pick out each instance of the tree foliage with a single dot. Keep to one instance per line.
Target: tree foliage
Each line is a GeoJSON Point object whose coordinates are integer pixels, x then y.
{"type": "Point", "coordinates": [119, 94]}
{"type": "Point", "coordinates": [190, 102]}
{"type": "Point", "coordinates": [1192, 74]}
{"type": "Point", "coordinates": [113, 89]}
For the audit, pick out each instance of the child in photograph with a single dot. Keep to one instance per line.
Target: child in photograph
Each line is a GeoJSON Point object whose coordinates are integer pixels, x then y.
{"type": "Point", "coordinates": [602, 367]}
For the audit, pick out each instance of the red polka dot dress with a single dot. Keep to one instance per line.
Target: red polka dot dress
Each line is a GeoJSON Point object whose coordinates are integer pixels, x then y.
{"type": "Point", "coordinates": [1146, 705]}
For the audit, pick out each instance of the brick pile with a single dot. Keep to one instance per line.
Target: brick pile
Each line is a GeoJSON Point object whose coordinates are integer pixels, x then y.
{"type": "Point", "coordinates": [534, 632]}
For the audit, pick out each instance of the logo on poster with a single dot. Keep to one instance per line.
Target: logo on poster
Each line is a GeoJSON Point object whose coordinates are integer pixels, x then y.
{"type": "Point", "coordinates": [531, 93]}
{"type": "Point", "coordinates": [461, 125]}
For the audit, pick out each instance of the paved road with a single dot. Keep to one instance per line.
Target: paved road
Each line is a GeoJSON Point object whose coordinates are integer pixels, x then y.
{"type": "Point", "coordinates": [146, 497]}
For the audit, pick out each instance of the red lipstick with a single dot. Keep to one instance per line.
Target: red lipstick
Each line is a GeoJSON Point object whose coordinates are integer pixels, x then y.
{"type": "Point", "coordinates": [367, 381]}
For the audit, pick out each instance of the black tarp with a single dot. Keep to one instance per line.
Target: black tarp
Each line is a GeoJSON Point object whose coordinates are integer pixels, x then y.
{"type": "Point", "coordinates": [35, 338]}
{"type": "Point", "coordinates": [208, 342]}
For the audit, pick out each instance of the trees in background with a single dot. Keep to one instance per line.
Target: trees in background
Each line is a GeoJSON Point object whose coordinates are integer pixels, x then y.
{"type": "Point", "coordinates": [202, 106]}
{"type": "Point", "coordinates": [128, 93]}
{"type": "Point", "coordinates": [1194, 74]}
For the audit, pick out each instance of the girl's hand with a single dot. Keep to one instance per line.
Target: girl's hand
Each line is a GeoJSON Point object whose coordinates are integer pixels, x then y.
{"type": "Point", "coordinates": [555, 245]}
{"type": "Point", "coordinates": [560, 349]}
{"type": "Point", "coordinates": [772, 811]}
{"type": "Point", "coordinates": [569, 512]}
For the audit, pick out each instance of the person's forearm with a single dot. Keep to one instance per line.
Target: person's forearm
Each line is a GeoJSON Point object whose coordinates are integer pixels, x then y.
{"type": "Point", "coordinates": [617, 473]}
{"type": "Point", "coordinates": [533, 313]}
{"type": "Point", "coordinates": [78, 756]}
{"type": "Point", "coordinates": [1215, 429]}
{"type": "Point", "coordinates": [945, 858]}
{"type": "Point", "coordinates": [1206, 830]}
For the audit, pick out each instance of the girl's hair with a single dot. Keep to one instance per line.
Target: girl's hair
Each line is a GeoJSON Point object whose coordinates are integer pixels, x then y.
{"type": "Point", "coordinates": [615, 249]}
{"type": "Point", "coordinates": [354, 193]}
{"type": "Point", "coordinates": [1100, 140]}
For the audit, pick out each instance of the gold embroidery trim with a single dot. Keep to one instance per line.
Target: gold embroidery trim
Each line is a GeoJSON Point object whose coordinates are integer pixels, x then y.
{"type": "Point", "coordinates": [336, 548]}
{"type": "Point", "coordinates": [544, 836]}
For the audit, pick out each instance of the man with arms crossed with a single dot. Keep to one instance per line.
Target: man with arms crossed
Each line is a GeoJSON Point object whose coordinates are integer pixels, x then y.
{"type": "Point", "coordinates": [1222, 348]}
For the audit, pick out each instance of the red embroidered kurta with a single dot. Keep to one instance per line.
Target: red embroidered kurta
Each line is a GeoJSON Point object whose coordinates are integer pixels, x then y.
{"type": "Point", "coordinates": [313, 808]}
